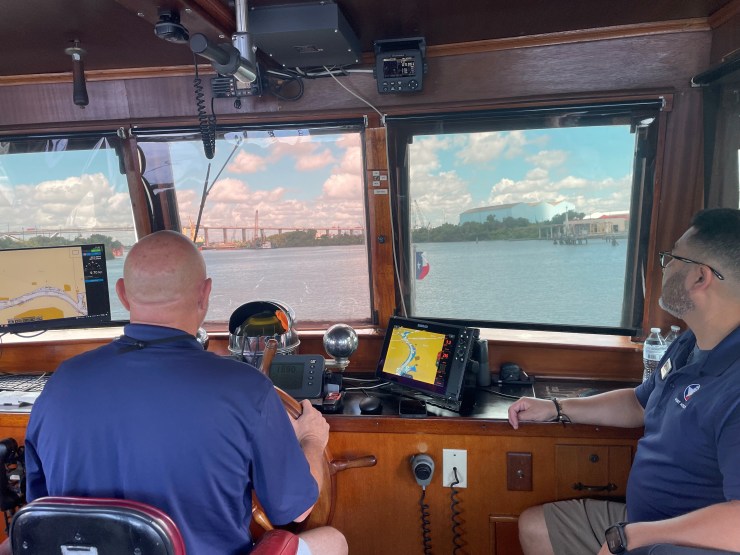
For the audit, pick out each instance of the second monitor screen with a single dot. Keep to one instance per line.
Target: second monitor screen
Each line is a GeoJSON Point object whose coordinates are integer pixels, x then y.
{"type": "Point", "coordinates": [421, 356]}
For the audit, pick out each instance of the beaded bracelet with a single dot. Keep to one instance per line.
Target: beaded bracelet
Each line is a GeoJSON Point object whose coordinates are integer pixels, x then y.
{"type": "Point", "coordinates": [561, 417]}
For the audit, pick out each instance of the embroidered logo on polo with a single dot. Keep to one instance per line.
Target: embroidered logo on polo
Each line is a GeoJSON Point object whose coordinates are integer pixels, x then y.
{"type": "Point", "coordinates": [690, 390]}
{"type": "Point", "coordinates": [688, 393]}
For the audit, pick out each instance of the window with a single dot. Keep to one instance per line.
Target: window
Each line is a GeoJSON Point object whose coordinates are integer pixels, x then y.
{"type": "Point", "coordinates": [530, 218]}
{"type": "Point", "coordinates": [66, 190]}
{"type": "Point", "coordinates": [283, 217]}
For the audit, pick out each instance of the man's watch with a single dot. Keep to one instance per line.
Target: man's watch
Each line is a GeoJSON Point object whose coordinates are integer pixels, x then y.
{"type": "Point", "coordinates": [616, 539]}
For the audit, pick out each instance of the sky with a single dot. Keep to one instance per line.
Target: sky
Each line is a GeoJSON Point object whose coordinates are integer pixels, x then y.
{"type": "Point", "coordinates": [315, 181]}
{"type": "Point", "coordinates": [590, 167]}
{"type": "Point", "coordinates": [294, 180]}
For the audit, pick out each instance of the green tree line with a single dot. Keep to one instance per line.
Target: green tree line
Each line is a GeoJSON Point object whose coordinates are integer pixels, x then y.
{"type": "Point", "coordinates": [491, 230]}
{"type": "Point", "coordinates": [59, 241]}
{"type": "Point", "coordinates": [307, 238]}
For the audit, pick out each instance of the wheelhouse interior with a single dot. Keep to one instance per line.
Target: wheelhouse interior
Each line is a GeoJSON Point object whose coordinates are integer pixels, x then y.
{"type": "Point", "coordinates": [511, 168]}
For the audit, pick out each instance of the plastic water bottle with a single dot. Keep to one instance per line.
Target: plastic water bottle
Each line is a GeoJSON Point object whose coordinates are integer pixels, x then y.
{"type": "Point", "coordinates": [672, 335]}
{"type": "Point", "coordinates": [652, 351]}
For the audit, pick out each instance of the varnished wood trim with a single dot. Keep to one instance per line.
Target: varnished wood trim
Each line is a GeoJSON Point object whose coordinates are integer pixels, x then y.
{"type": "Point", "coordinates": [137, 193]}
{"type": "Point", "coordinates": [442, 426]}
{"type": "Point", "coordinates": [380, 232]}
{"type": "Point", "coordinates": [724, 14]}
{"type": "Point", "coordinates": [217, 11]}
{"type": "Point", "coordinates": [458, 49]}
{"type": "Point", "coordinates": [474, 426]}
{"type": "Point", "coordinates": [565, 37]}
{"type": "Point", "coordinates": [104, 75]}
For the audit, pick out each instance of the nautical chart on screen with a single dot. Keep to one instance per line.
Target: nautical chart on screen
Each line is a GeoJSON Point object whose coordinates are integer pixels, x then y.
{"type": "Point", "coordinates": [40, 285]}
{"type": "Point", "coordinates": [415, 354]}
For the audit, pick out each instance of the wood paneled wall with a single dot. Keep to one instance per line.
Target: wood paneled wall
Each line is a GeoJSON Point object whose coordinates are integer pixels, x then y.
{"type": "Point", "coordinates": [455, 82]}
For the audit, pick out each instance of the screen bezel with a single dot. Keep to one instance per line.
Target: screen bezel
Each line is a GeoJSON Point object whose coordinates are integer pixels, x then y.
{"type": "Point", "coordinates": [102, 300]}
{"type": "Point", "coordinates": [452, 388]}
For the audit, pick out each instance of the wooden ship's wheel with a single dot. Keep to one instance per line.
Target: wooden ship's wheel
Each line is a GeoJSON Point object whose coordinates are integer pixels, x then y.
{"type": "Point", "coordinates": [323, 510]}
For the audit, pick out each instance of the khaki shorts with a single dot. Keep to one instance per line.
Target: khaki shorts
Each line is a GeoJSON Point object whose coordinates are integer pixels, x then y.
{"type": "Point", "coordinates": [577, 526]}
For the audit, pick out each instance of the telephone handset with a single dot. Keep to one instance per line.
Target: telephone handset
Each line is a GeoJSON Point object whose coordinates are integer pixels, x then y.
{"type": "Point", "coordinates": [300, 376]}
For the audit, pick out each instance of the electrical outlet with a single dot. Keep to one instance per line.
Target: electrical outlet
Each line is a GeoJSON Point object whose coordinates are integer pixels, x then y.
{"type": "Point", "coordinates": [455, 459]}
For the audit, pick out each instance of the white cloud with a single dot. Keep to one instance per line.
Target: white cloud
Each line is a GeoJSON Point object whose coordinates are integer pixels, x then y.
{"type": "Point", "coordinates": [78, 202]}
{"type": "Point", "coordinates": [548, 158]}
{"type": "Point", "coordinates": [233, 202]}
{"type": "Point", "coordinates": [440, 198]}
{"type": "Point", "coordinates": [343, 186]}
{"type": "Point", "coordinates": [246, 162]}
{"type": "Point", "coordinates": [610, 194]}
{"type": "Point", "coordinates": [309, 162]}
{"type": "Point", "coordinates": [423, 152]}
{"type": "Point", "coordinates": [484, 147]}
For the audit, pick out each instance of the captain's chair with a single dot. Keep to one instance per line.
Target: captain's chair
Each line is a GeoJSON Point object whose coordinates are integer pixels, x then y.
{"type": "Point", "coordinates": [88, 526]}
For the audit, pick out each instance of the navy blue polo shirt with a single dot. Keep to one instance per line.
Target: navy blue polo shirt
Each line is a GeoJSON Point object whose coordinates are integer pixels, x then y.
{"type": "Point", "coordinates": [689, 456]}
{"type": "Point", "coordinates": [172, 425]}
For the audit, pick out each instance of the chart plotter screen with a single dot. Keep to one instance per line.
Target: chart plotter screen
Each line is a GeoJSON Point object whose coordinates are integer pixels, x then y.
{"type": "Point", "coordinates": [429, 357]}
{"type": "Point", "coordinates": [53, 287]}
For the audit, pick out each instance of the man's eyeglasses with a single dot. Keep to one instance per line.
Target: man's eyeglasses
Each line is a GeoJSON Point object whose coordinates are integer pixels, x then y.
{"type": "Point", "coordinates": [665, 258]}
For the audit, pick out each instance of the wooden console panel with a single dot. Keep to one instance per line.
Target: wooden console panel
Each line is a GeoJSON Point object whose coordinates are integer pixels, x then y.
{"type": "Point", "coordinates": [378, 508]}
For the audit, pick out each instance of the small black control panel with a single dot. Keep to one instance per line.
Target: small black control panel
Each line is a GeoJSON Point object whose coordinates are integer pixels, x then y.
{"type": "Point", "coordinates": [400, 65]}
{"type": "Point", "coordinates": [300, 376]}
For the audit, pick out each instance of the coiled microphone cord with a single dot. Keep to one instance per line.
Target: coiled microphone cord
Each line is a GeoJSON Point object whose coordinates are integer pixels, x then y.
{"type": "Point", "coordinates": [425, 531]}
{"type": "Point", "coordinates": [206, 123]}
{"type": "Point", "coordinates": [456, 522]}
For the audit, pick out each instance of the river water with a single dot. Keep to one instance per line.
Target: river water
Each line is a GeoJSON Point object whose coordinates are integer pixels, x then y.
{"type": "Point", "coordinates": [520, 281]}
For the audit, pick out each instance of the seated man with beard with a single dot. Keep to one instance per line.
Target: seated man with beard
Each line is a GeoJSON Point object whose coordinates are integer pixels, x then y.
{"type": "Point", "coordinates": [684, 485]}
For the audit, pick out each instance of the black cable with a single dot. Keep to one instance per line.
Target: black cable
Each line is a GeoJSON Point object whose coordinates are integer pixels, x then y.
{"type": "Point", "coordinates": [425, 531]}
{"type": "Point", "coordinates": [17, 334]}
{"type": "Point", "coordinates": [505, 395]}
{"type": "Point", "coordinates": [276, 88]}
{"type": "Point", "coordinates": [206, 123]}
{"type": "Point", "coordinates": [456, 523]}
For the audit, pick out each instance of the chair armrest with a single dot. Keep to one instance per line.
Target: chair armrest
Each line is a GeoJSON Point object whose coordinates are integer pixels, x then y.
{"type": "Point", "coordinates": [276, 542]}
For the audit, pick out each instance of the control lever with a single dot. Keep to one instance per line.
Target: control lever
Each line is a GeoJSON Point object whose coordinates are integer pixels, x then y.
{"type": "Point", "coordinates": [79, 92]}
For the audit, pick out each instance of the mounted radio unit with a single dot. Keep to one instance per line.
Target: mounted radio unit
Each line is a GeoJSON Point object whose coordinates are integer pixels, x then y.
{"type": "Point", "coordinates": [400, 65]}
{"type": "Point", "coordinates": [226, 86]}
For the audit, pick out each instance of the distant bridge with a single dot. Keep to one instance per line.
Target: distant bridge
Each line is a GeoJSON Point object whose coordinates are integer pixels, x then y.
{"type": "Point", "coordinates": [231, 234]}
{"type": "Point", "coordinates": [245, 234]}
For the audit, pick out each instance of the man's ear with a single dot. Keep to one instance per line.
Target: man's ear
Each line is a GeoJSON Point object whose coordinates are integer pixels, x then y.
{"type": "Point", "coordinates": [204, 294]}
{"type": "Point", "coordinates": [702, 279]}
{"type": "Point", "coordinates": [121, 292]}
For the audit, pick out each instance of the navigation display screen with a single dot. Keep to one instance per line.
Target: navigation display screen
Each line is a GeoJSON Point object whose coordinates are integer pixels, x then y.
{"type": "Point", "coordinates": [53, 287]}
{"type": "Point", "coordinates": [429, 357]}
{"type": "Point", "coordinates": [419, 355]}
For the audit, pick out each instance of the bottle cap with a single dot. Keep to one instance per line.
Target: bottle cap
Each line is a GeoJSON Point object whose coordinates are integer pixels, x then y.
{"type": "Point", "coordinates": [676, 328]}
{"type": "Point", "coordinates": [656, 330]}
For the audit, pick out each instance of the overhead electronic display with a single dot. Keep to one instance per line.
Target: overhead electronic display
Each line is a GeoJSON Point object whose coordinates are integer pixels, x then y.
{"type": "Point", "coordinates": [400, 65]}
